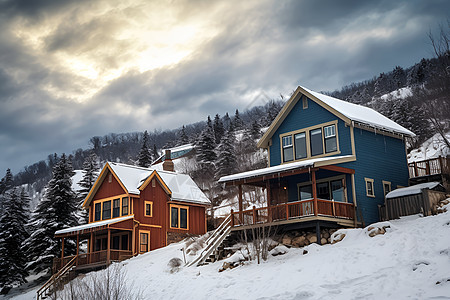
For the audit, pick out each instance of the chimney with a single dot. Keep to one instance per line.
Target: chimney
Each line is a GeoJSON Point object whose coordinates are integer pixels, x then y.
{"type": "Point", "coordinates": [168, 163]}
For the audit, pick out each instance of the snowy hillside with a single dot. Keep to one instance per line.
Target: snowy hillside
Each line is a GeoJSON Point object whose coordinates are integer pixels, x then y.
{"type": "Point", "coordinates": [431, 148]}
{"type": "Point", "coordinates": [410, 261]}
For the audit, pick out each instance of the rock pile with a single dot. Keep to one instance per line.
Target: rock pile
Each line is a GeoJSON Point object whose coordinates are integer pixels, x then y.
{"type": "Point", "coordinates": [303, 238]}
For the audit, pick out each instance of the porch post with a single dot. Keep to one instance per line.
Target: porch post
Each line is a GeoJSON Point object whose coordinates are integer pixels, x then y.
{"type": "Point", "coordinates": [62, 253]}
{"type": "Point", "coordinates": [232, 218]}
{"type": "Point", "coordinates": [269, 201]}
{"type": "Point", "coordinates": [91, 246]}
{"type": "Point", "coordinates": [354, 200]}
{"type": "Point", "coordinates": [241, 219]}
{"type": "Point", "coordinates": [314, 191]}
{"type": "Point", "coordinates": [108, 247]}
{"type": "Point", "coordinates": [133, 242]}
{"type": "Point", "coordinates": [319, 237]}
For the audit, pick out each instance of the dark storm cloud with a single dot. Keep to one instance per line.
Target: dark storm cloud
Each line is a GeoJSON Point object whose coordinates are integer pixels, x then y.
{"type": "Point", "coordinates": [257, 48]}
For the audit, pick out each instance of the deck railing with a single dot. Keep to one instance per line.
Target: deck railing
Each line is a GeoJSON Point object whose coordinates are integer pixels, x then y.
{"type": "Point", "coordinates": [93, 258]}
{"type": "Point", "coordinates": [292, 210]}
{"type": "Point", "coordinates": [433, 166]}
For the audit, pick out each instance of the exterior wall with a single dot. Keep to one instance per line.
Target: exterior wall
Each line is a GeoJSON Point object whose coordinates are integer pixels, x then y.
{"type": "Point", "coordinates": [108, 189]}
{"type": "Point", "coordinates": [378, 157]}
{"type": "Point", "coordinates": [197, 221]}
{"type": "Point", "coordinates": [300, 118]}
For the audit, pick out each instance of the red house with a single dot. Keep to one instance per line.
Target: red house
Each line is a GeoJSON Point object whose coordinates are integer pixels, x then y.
{"type": "Point", "coordinates": [133, 210]}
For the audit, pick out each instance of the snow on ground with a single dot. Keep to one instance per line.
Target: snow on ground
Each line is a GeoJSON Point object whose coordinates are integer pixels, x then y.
{"type": "Point", "coordinates": [410, 261]}
{"type": "Point", "coordinates": [431, 148]}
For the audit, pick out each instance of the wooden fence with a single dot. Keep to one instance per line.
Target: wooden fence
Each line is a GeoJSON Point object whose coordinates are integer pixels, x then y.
{"type": "Point", "coordinates": [433, 166]}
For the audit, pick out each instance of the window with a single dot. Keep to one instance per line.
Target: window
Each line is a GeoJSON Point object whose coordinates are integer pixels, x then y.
{"type": "Point", "coordinates": [288, 153]}
{"type": "Point", "coordinates": [143, 241]}
{"type": "Point", "coordinates": [330, 138]}
{"type": "Point", "coordinates": [305, 192]}
{"type": "Point", "coordinates": [386, 187]}
{"type": "Point", "coordinates": [106, 214]}
{"type": "Point", "coordinates": [369, 187]}
{"type": "Point", "coordinates": [300, 145]}
{"type": "Point", "coordinates": [125, 242]}
{"type": "Point", "coordinates": [332, 188]}
{"type": "Point", "coordinates": [124, 206]}
{"type": "Point", "coordinates": [97, 211]}
{"type": "Point", "coordinates": [316, 141]}
{"type": "Point", "coordinates": [305, 102]}
{"type": "Point", "coordinates": [116, 208]}
{"type": "Point", "coordinates": [148, 208]}
{"type": "Point", "coordinates": [115, 242]}
{"type": "Point", "coordinates": [179, 217]}
{"type": "Point", "coordinates": [337, 190]}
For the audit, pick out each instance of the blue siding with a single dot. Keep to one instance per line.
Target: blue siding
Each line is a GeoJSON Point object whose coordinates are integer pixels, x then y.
{"type": "Point", "coordinates": [378, 157]}
{"type": "Point", "coordinates": [300, 118]}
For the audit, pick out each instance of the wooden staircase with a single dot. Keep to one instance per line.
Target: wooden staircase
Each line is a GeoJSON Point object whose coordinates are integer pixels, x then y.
{"type": "Point", "coordinates": [57, 280]}
{"type": "Point", "coordinates": [215, 244]}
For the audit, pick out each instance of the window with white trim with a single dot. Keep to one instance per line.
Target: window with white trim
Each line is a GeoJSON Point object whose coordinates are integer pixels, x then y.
{"type": "Point", "coordinates": [330, 138]}
{"type": "Point", "coordinates": [386, 187]}
{"type": "Point", "coordinates": [370, 192]}
{"type": "Point", "coordinates": [288, 149]}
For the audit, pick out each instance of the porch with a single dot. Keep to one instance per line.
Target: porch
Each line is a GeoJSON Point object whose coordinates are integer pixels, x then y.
{"type": "Point", "coordinates": [429, 170]}
{"type": "Point", "coordinates": [298, 194]}
{"type": "Point", "coordinates": [107, 241]}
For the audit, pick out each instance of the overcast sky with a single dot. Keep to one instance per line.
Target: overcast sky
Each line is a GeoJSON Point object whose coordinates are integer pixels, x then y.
{"type": "Point", "coordinates": [70, 70]}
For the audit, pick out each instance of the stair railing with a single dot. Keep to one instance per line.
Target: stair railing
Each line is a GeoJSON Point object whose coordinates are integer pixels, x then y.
{"type": "Point", "coordinates": [213, 241]}
{"type": "Point", "coordinates": [55, 279]}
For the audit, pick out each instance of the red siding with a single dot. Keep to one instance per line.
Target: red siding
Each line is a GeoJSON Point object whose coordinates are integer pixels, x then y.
{"type": "Point", "coordinates": [109, 189]}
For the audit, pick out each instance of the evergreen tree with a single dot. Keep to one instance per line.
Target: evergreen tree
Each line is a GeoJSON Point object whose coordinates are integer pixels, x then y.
{"type": "Point", "coordinates": [255, 130]}
{"type": "Point", "coordinates": [7, 182]}
{"type": "Point", "coordinates": [237, 122]}
{"type": "Point", "coordinates": [155, 153]}
{"type": "Point", "coordinates": [144, 157]}
{"type": "Point", "coordinates": [219, 131]}
{"type": "Point", "coordinates": [206, 145]}
{"type": "Point", "coordinates": [226, 160]}
{"type": "Point", "coordinates": [12, 237]}
{"type": "Point", "coordinates": [57, 210]}
{"type": "Point", "coordinates": [226, 122]}
{"type": "Point", "coordinates": [90, 174]}
{"type": "Point", "coordinates": [183, 137]}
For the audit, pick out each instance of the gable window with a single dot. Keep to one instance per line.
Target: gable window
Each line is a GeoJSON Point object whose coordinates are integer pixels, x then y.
{"type": "Point", "coordinates": [316, 141]}
{"type": "Point", "coordinates": [288, 150]}
{"type": "Point", "coordinates": [179, 216]}
{"type": "Point", "coordinates": [369, 187]}
{"type": "Point", "coordinates": [148, 209]}
{"type": "Point", "coordinates": [330, 138]}
{"type": "Point", "coordinates": [124, 206]}
{"type": "Point", "coordinates": [300, 145]}
{"type": "Point", "coordinates": [116, 208]}
{"type": "Point", "coordinates": [386, 187]}
{"type": "Point", "coordinates": [106, 214]}
{"type": "Point", "coordinates": [305, 102]}
{"type": "Point", "coordinates": [97, 211]}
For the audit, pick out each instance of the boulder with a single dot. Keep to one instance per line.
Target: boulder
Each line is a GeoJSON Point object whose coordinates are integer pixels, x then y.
{"type": "Point", "coordinates": [335, 238]}
{"type": "Point", "coordinates": [286, 240]}
{"type": "Point", "coordinates": [323, 241]}
{"type": "Point", "coordinates": [299, 241]}
{"type": "Point", "coordinates": [312, 238]}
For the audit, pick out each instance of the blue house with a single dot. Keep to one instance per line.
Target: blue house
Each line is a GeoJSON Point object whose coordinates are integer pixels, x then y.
{"type": "Point", "coordinates": [331, 163]}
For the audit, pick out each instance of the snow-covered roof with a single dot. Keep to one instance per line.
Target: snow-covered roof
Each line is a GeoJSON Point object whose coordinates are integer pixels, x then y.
{"type": "Point", "coordinates": [181, 186]}
{"type": "Point", "coordinates": [93, 225]}
{"type": "Point", "coordinates": [315, 162]}
{"type": "Point", "coordinates": [347, 111]}
{"type": "Point", "coordinates": [361, 114]}
{"type": "Point", "coordinates": [412, 190]}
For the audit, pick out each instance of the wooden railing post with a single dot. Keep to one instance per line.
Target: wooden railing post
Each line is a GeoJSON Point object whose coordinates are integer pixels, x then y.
{"type": "Point", "coordinates": [416, 174]}
{"type": "Point", "coordinates": [108, 247]}
{"type": "Point", "coordinates": [62, 253]}
{"type": "Point", "coordinates": [232, 218]}
{"type": "Point", "coordinates": [334, 209]}
{"type": "Point", "coordinates": [254, 214]}
{"type": "Point", "coordinates": [241, 215]}
{"type": "Point", "coordinates": [287, 211]}
{"type": "Point", "coordinates": [314, 192]}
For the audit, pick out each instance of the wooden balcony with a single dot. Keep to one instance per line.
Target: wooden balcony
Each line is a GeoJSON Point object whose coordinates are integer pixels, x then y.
{"type": "Point", "coordinates": [433, 166]}
{"type": "Point", "coordinates": [298, 211]}
{"type": "Point", "coordinates": [92, 260]}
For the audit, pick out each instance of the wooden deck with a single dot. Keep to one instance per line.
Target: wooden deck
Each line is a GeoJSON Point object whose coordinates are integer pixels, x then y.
{"type": "Point", "coordinates": [92, 260]}
{"type": "Point", "coordinates": [341, 213]}
{"type": "Point", "coordinates": [433, 166]}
